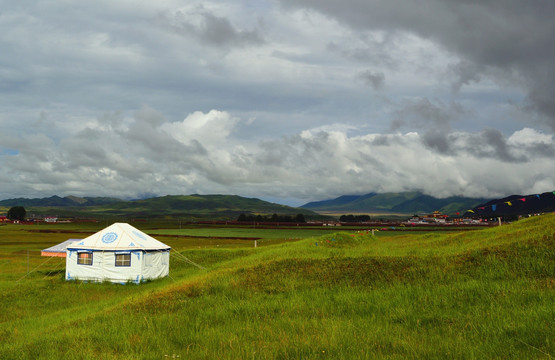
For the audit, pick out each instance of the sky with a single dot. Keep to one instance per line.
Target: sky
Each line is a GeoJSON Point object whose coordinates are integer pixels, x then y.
{"type": "Point", "coordinates": [287, 101]}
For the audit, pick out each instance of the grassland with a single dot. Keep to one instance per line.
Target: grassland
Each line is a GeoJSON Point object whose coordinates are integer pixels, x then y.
{"type": "Point", "coordinates": [461, 295]}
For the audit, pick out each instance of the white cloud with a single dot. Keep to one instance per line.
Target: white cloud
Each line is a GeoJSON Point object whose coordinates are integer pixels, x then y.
{"type": "Point", "coordinates": [200, 154]}
{"type": "Point", "coordinates": [210, 128]}
{"type": "Point", "coordinates": [527, 137]}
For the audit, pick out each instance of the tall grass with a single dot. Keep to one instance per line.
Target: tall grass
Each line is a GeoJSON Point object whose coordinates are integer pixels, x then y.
{"type": "Point", "coordinates": [473, 295]}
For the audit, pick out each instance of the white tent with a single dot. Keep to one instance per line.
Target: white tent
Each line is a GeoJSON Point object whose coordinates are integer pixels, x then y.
{"type": "Point", "coordinates": [119, 253]}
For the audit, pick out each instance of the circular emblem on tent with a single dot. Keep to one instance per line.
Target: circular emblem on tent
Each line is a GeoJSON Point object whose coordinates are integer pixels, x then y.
{"type": "Point", "coordinates": [109, 237]}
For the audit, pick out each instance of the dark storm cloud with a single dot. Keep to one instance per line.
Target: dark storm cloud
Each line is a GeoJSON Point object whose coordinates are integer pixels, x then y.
{"type": "Point", "coordinates": [433, 119]}
{"type": "Point", "coordinates": [464, 73]}
{"type": "Point", "coordinates": [423, 113]}
{"type": "Point", "coordinates": [375, 80]}
{"type": "Point", "coordinates": [438, 141]}
{"type": "Point", "coordinates": [86, 149]}
{"type": "Point", "coordinates": [507, 35]}
{"type": "Point", "coordinates": [210, 29]}
{"type": "Point", "coordinates": [371, 51]}
{"type": "Point", "coordinates": [541, 150]}
{"type": "Point", "coordinates": [490, 143]}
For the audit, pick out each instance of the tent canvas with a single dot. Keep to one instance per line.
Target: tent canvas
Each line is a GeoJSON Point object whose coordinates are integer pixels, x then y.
{"type": "Point", "coordinates": [118, 253]}
{"type": "Point", "coordinates": [58, 250]}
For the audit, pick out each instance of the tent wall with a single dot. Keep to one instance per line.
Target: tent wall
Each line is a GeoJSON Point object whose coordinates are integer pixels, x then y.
{"type": "Point", "coordinates": [144, 265]}
{"type": "Point", "coordinates": [156, 264]}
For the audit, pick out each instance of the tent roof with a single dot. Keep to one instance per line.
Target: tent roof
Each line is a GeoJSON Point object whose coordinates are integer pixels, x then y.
{"type": "Point", "coordinates": [58, 249]}
{"type": "Point", "coordinates": [119, 236]}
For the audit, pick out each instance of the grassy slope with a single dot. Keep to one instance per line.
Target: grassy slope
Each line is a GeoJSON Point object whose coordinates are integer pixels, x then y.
{"type": "Point", "coordinates": [479, 294]}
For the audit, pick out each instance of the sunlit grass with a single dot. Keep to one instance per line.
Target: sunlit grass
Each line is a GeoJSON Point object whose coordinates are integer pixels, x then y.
{"type": "Point", "coordinates": [480, 294]}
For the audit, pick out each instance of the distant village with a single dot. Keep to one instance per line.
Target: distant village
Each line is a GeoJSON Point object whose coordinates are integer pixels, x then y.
{"type": "Point", "coordinates": [434, 219]}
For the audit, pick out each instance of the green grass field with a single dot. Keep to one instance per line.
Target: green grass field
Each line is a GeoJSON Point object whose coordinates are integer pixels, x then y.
{"type": "Point", "coordinates": [485, 294]}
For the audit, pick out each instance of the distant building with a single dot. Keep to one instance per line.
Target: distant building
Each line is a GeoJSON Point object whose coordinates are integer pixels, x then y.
{"type": "Point", "coordinates": [50, 219]}
{"type": "Point", "coordinates": [434, 218]}
{"type": "Point", "coordinates": [436, 215]}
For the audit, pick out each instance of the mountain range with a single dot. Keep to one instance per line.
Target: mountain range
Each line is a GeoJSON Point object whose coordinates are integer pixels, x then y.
{"type": "Point", "coordinates": [60, 201]}
{"type": "Point", "coordinates": [418, 203]}
{"type": "Point", "coordinates": [231, 206]}
{"type": "Point", "coordinates": [186, 206]}
{"type": "Point", "coordinates": [515, 205]}
{"type": "Point", "coordinates": [403, 202]}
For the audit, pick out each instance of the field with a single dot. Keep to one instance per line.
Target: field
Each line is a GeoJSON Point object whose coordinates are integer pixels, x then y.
{"type": "Point", "coordinates": [300, 294]}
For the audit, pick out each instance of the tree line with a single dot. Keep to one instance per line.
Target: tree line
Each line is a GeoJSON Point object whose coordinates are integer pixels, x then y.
{"type": "Point", "coordinates": [354, 218]}
{"type": "Point", "coordinates": [299, 218]}
{"type": "Point", "coordinates": [17, 213]}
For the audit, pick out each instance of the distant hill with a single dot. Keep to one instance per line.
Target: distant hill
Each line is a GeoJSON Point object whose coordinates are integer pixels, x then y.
{"type": "Point", "coordinates": [185, 206]}
{"type": "Point", "coordinates": [60, 201]}
{"type": "Point", "coordinates": [204, 204]}
{"type": "Point", "coordinates": [403, 202]}
{"type": "Point", "coordinates": [337, 202]}
{"type": "Point", "coordinates": [515, 205]}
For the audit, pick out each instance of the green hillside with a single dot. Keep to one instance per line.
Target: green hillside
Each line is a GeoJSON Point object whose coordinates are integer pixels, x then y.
{"type": "Point", "coordinates": [486, 294]}
{"type": "Point", "coordinates": [186, 206]}
{"type": "Point", "coordinates": [404, 202]}
{"type": "Point", "coordinates": [199, 205]}
{"type": "Point", "coordinates": [58, 201]}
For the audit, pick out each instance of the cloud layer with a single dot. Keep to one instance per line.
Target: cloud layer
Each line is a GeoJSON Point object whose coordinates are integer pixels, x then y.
{"type": "Point", "coordinates": [146, 154]}
{"type": "Point", "coordinates": [509, 40]}
{"type": "Point", "coordinates": [294, 100]}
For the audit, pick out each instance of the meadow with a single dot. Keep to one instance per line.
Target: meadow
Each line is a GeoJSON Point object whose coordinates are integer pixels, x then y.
{"type": "Point", "coordinates": [301, 294]}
